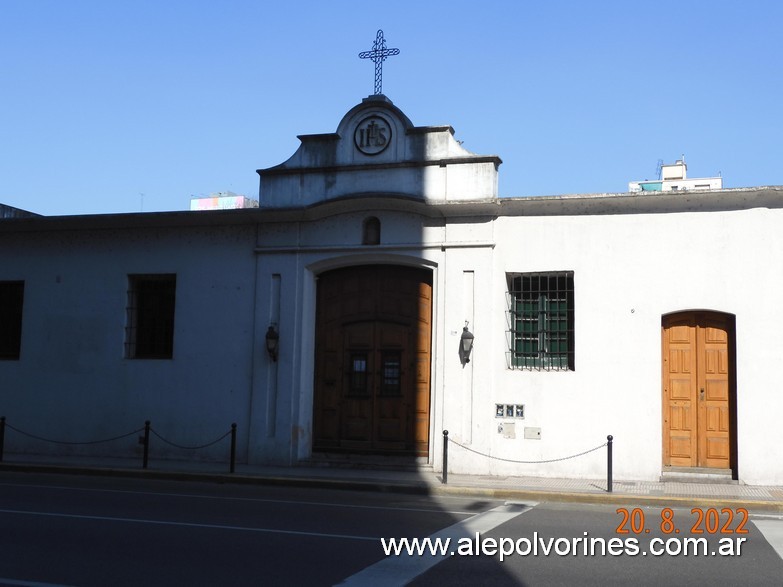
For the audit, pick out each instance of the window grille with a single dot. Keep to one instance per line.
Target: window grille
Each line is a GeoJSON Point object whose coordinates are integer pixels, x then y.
{"type": "Point", "coordinates": [149, 332]}
{"type": "Point", "coordinates": [11, 302]}
{"type": "Point", "coordinates": [391, 373]}
{"type": "Point", "coordinates": [541, 321]}
{"type": "Point", "coordinates": [357, 374]}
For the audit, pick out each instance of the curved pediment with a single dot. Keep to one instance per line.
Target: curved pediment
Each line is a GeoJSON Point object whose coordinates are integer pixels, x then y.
{"type": "Point", "coordinates": [377, 149]}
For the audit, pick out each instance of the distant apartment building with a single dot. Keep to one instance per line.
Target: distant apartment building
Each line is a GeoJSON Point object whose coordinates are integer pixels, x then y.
{"type": "Point", "coordinates": [674, 177]}
{"type": "Point", "coordinates": [222, 201]}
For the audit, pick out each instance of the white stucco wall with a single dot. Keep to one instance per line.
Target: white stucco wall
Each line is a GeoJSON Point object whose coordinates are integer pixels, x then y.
{"type": "Point", "coordinates": [233, 281]}
{"type": "Point", "coordinates": [72, 382]}
{"type": "Point", "coordinates": [629, 270]}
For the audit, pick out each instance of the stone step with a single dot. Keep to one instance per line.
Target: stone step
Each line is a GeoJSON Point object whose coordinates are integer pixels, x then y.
{"type": "Point", "coordinates": [697, 475]}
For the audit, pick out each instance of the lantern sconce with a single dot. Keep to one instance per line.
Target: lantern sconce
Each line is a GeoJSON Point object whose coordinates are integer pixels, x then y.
{"type": "Point", "coordinates": [272, 342]}
{"type": "Point", "coordinates": [465, 345]}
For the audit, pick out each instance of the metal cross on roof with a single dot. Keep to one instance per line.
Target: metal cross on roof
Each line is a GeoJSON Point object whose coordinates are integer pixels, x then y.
{"type": "Point", "coordinates": [378, 55]}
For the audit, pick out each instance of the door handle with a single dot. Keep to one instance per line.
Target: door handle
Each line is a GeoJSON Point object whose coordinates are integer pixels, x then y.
{"type": "Point", "coordinates": [701, 394]}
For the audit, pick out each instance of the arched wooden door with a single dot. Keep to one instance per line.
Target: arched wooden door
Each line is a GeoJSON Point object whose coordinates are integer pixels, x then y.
{"type": "Point", "coordinates": [372, 363]}
{"type": "Point", "coordinates": [698, 390]}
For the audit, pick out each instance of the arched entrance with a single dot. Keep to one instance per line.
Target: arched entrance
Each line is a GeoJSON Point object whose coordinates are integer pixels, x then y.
{"type": "Point", "coordinates": [699, 391]}
{"type": "Point", "coordinates": [372, 360]}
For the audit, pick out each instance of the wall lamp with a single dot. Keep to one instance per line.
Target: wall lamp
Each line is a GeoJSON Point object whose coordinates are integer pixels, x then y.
{"type": "Point", "coordinates": [272, 342]}
{"type": "Point", "coordinates": [465, 345]}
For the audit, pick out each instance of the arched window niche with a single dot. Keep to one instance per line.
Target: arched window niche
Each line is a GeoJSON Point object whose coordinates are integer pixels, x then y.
{"type": "Point", "coordinates": [371, 231]}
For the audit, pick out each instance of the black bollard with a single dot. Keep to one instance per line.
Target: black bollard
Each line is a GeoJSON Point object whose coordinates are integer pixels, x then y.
{"type": "Point", "coordinates": [146, 443]}
{"type": "Point", "coordinates": [609, 463]}
{"type": "Point", "coordinates": [445, 456]}
{"type": "Point", "coordinates": [233, 447]}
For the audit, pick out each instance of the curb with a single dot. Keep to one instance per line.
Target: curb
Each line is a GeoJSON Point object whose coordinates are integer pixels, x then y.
{"type": "Point", "coordinates": [222, 478]}
{"type": "Point", "coordinates": [422, 488]}
{"type": "Point", "coordinates": [615, 498]}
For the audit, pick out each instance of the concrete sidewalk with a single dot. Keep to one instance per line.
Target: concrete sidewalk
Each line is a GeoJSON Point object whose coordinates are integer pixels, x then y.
{"type": "Point", "coordinates": [423, 481]}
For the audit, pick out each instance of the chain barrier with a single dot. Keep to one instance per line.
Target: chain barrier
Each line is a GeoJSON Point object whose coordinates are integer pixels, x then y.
{"type": "Point", "coordinates": [143, 440]}
{"type": "Point", "coordinates": [189, 447]}
{"type": "Point", "coordinates": [528, 462]}
{"type": "Point", "coordinates": [607, 444]}
{"type": "Point", "coordinates": [23, 433]}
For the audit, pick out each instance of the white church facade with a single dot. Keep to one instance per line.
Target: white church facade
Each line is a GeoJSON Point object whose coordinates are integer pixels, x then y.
{"type": "Point", "coordinates": [649, 316]}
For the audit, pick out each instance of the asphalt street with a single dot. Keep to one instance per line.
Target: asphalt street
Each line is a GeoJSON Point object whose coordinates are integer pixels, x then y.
{"type": "Point", "coordinates": [61, 530]}
{"type": "Point", "coordinates": [569, 539]}
{"type": "Point", "coordinates": [82, 531]}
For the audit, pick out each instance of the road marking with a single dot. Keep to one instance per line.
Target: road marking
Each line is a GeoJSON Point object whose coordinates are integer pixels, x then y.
{"type": "Point", "coordinates": [400, 570]}
{"type": "Point", "coordinates": [766, 516]}
{"type": "Point", "coordinates": [773, 532]}
{"type": "Point", "coordinates": [20, 583]}
{"type": "Point", "coordinates": [190, 525]}
{"type": "Point", "coordinates": [253, 499]}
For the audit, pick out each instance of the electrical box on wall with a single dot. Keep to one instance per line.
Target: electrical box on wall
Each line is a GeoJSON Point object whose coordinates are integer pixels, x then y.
{"type": "Point", "coordinates": [532, 433]}
{"type": "Point", "coordinates": [510, 411]}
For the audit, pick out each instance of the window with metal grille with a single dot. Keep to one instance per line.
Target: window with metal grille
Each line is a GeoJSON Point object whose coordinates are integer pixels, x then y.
{"type": "Point", "coordinates": [149, 332]}
{"type": "Point", "coordinates": [11, 302]}
{"type": "Point", "coordinates": [541, 321]}
{"type": "Point", "coordinates": [391, 373]}
{"type": "Point", "coordinates": [357, 374]}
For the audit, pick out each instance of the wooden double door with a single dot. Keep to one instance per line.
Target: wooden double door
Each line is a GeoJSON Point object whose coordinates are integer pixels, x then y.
{"type": "Point", "coordinates": [698, 390]}
{"type": "Point", "coordinates": [372, 364]}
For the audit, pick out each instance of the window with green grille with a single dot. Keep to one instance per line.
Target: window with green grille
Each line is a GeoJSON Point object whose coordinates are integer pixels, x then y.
{"type": "Point", "coordinates": [541, 321]}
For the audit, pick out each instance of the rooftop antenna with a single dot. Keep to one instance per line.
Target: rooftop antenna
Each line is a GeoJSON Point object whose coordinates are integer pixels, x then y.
{"type": "Point", "coordinates": [659, 169]}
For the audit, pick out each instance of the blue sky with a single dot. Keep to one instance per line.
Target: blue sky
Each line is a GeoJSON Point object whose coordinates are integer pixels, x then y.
{"type": "Point", "coordinates": [103, 101]}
